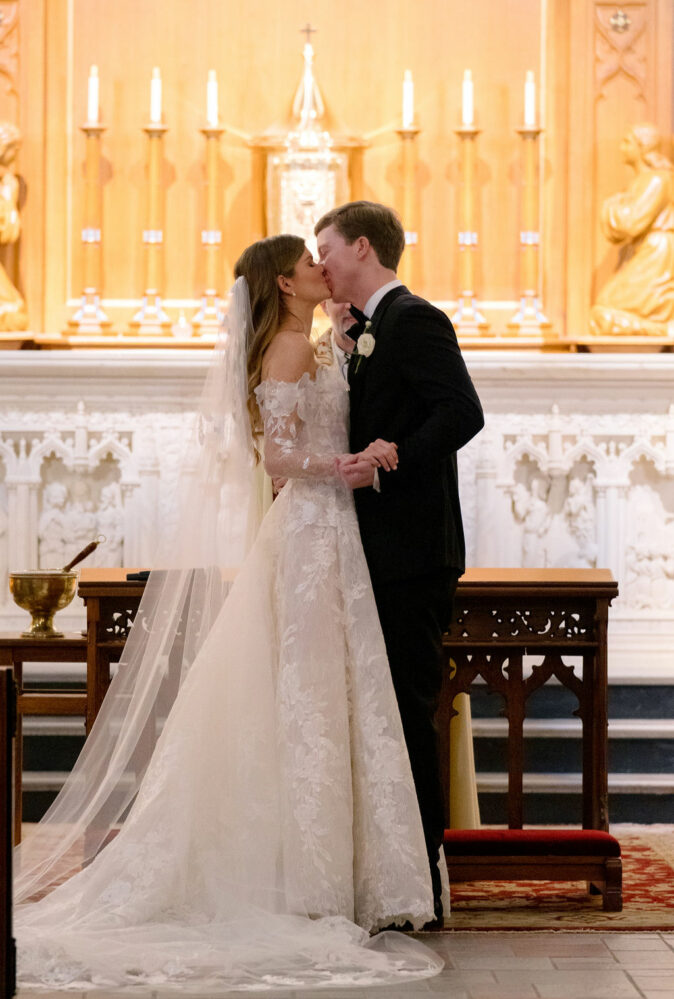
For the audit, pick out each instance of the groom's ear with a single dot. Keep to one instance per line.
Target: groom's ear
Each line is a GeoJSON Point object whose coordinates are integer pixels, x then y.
{"type": "Point", "coordinates": [362, 245]}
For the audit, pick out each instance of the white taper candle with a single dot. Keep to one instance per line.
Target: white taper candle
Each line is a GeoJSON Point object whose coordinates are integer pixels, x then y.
{"type": "Point", "coordinates": [92, 96]}
{"type": "Point", "coordinates": [408, 99]}
{"type": "Point", "coordinates": [212, 99]}
{"type": "Point", "coordinates": [467, 108]}
{"type": "Point", "coordinates": [155, 97]}
{"type": "Point", "coordinates": [529, 100]}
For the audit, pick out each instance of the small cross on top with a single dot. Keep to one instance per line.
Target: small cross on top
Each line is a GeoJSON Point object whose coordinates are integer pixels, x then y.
{"type": "Point", "coordinates": [308, 31]}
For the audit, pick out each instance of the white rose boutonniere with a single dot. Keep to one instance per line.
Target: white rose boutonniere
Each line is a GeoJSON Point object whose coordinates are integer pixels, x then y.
{"type": "Point", "coordinates": [365, 343]}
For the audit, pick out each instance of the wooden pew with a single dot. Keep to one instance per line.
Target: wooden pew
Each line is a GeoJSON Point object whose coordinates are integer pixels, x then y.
{"type": "Point", "coordinates": [7, 729]}
{"type": "Point", "coordinates": [500, 617]}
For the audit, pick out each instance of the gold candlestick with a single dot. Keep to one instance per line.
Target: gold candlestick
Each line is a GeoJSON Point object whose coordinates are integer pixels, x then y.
{"type": "Point", "coordinates": [209, 316]}
{"type": "Point", "coordinates": [408, 271]}
{"type": "Point", "coordinates": [529, 318]}
{"type": "Point", "coordinates": [151, 319]}
{"type": "Point", "coordinates": [468, 319]}
{"type": "Point", "coordinates": [90, 317]}
{"type": "Point", "coordinates": [356, 181]}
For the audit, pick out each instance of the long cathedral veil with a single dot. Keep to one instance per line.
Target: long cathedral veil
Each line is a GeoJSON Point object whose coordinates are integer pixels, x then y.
{"type": "Point", "coordinates": [215, 516]}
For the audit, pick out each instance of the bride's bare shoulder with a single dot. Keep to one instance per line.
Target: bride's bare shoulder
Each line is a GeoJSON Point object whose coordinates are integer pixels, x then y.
{"type": "Point", "coordinates": [288, 357]}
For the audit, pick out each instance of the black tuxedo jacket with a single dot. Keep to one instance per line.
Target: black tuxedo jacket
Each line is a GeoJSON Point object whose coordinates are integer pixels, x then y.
{"type": "Point", "coordinates": [413, 389]}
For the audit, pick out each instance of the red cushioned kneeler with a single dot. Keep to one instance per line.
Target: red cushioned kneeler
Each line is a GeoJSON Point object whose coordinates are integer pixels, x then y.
{"type": "Point", "coordinates": [538, 855]}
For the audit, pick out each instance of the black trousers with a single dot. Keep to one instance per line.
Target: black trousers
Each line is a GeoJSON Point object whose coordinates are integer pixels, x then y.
{"type": "Point", "coordinates": [414, 615]}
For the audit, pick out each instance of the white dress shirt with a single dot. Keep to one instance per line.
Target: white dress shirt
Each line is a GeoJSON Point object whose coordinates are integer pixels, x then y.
{"type": "Point", "coordinates": [374, 300]}
{"type": "Point", "coordinates": [341, 356]}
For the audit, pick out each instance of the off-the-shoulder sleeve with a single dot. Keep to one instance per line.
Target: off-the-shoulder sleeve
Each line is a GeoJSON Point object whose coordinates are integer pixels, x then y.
{"type": "Point", "coordinates": [281, 408]}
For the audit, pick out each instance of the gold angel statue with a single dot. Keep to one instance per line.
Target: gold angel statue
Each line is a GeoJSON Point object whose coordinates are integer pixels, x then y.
{"type": "Point", "coordinates": [13, 314]}
{"type": "Point", "coordinates": [639, 298]}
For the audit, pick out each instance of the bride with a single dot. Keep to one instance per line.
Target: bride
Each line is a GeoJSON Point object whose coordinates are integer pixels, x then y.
{"type": "Point", "coordinates": [243, 815]}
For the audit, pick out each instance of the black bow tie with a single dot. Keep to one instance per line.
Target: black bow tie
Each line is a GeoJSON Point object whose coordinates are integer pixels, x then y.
{"type": "Point", "coordinates": [358, 315]}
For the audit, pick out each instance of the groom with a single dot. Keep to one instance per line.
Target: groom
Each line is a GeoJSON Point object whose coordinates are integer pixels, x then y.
{"type": "Point", "coordinates": [413, 389]}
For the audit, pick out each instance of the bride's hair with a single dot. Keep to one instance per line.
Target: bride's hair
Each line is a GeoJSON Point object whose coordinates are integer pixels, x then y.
{"type": "Point", "coordinates": [261, 264]}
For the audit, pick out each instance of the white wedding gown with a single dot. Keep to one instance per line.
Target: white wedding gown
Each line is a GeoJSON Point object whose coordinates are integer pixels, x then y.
{"type": "Point", "coordinates": [277, 823]}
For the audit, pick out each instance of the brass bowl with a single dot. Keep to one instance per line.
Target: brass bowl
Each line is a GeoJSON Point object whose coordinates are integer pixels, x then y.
{"type": "Point", "coordinates": [42, 593]}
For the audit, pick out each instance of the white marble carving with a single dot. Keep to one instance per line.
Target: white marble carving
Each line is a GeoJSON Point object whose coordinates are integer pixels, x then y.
{"type": "Point", "coordinates": [110, 524]}
{"type": "Point", "coordinates": [649, 558]}
{"type": "Point", "coordinates": [574, 468]}
{"type": "Point", "coordinates": [574, 497]}
{"type": "Point", "coordinates": [531, 510]}
{"type": "Point", "coordinates": [4, 523]}
{"type": "Point", "coordinates": [53, 528]}
{"type": "Point", "coordinates": [580, 513]}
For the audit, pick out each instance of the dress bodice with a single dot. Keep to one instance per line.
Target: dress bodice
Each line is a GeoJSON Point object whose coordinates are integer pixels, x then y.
{"type": "Point", "coordinates": [317, 409]}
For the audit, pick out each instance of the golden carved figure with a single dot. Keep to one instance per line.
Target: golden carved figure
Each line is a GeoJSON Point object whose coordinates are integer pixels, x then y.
{"type": "Point", "coordinates": [639, 298]}
{"type": "Point", "coordinates": [13, 314]}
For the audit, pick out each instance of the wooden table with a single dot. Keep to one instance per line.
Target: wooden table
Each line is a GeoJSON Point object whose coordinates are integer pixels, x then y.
{"type": "Point", "coordinates": [112, 603]}
{"type": "Point", "coordinates": [502, 615]}
{"type": "Point", "coordinates": [15, 650]}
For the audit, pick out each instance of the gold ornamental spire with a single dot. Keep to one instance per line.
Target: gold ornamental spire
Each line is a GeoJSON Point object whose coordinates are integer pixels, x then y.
{"type": "Point", "coordinates": [308, 107]}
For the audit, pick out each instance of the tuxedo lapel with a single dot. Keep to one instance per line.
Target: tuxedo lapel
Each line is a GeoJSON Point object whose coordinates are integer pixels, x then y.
{"type": "Point", "coordinates": [358, 372]}
{"type": "Point", "coordinates": [380, 311]}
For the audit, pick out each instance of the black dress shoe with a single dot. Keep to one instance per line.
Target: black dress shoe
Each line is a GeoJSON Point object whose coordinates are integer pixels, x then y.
{"type": "Point", "coordinates": [405, 927]}
{"type": "Point", "coordinates": [434, 924]}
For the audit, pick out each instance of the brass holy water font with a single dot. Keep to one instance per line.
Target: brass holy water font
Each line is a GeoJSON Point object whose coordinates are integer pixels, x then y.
{"type": "Point", "coordinates": [43, 592]}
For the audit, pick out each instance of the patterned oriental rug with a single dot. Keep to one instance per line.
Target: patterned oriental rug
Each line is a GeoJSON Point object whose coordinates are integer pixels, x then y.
{"type": "Point", "coordinates": [648, 896]}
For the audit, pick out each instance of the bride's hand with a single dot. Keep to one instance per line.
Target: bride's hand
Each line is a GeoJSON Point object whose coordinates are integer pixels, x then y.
{"type": "Point", "coordinates": [381, 454]}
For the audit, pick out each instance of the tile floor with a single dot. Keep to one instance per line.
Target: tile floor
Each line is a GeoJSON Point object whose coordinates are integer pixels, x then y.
{"type": "Point", "coordinates": [518, 965]}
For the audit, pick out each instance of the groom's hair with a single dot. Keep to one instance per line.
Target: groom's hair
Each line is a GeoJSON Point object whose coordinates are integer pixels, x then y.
{"type": "Point", "coordinates": [379, 224]}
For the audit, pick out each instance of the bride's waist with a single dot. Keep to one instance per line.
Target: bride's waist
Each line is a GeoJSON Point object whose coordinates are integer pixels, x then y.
{"type": "Point", "coordinates": [319, 501]}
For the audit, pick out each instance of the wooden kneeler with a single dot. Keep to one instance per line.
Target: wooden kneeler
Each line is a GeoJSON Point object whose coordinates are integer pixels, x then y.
{"type": "Point", "coordinates": [538, 855]}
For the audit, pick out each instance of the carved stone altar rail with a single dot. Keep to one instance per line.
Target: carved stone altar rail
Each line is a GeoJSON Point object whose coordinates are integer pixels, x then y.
{"type": "Point", "coordinates": [574, 468]}
{"type": "Point", "coordinates": [503, 615]}
{"type": "Point", "coordinates": [89, 444]}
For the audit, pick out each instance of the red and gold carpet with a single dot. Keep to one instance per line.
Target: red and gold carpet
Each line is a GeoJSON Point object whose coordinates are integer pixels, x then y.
{"type": "Point", "coordinates": [648, 896]}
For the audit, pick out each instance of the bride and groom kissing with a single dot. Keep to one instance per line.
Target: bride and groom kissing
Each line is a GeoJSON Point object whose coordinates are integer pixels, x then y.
{"type": "Point", "coordinates": [413, 390]}
{"type": "Point", "coordinates": [292, 805]}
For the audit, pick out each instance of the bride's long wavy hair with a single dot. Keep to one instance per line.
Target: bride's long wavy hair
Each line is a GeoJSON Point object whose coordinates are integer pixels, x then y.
{"type": "Point", "coordinates": [261, 264]}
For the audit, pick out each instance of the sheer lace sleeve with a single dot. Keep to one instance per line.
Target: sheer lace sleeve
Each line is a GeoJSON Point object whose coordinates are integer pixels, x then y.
{"type": "Point", "coordinates": [281, 407]}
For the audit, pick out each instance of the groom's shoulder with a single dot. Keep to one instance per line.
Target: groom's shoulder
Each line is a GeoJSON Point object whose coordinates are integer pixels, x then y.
{"type": "Point", "coordinates": [414, 307]}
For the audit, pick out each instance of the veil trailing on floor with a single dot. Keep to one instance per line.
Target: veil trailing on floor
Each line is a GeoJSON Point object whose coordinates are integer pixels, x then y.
{"type": "Point", "coordinates": [214, 519]}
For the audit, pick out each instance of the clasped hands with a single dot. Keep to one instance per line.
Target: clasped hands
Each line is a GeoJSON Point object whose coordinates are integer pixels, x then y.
{"type": "Point", "coordinates": [357, 470]}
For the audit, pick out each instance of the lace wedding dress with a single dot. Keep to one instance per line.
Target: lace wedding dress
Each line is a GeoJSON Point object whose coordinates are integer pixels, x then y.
{"type": "Point", "coordinates": [277, 823]}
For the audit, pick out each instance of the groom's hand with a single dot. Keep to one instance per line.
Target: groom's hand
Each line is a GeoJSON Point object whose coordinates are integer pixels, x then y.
{"type": "Point", "coordinates": [381, 454]}
{"type": "Point", "coordinates": [355, 471]}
